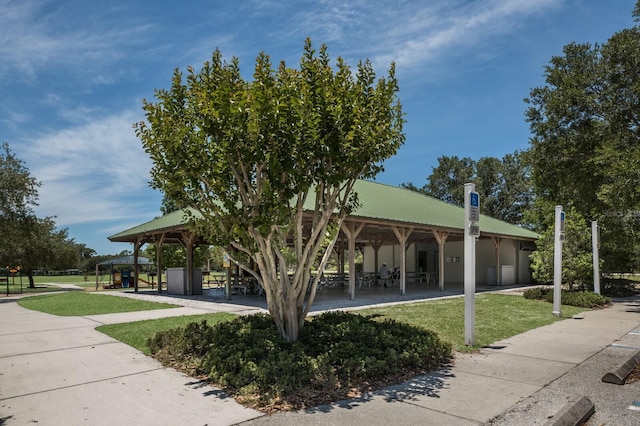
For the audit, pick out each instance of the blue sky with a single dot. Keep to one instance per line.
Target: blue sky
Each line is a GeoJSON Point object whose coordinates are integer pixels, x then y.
{"type": "Point", "coordinates": [73, 75]}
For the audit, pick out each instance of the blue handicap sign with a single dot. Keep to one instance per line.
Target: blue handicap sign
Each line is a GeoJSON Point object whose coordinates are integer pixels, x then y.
{"type": "Point", "coordinates": [475, 199]}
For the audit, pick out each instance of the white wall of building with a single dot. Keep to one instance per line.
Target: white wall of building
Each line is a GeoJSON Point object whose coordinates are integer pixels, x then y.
{"type": "Point", "coordinates": [514, 262]}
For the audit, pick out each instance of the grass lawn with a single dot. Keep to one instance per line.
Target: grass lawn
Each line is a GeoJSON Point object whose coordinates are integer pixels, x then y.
{"type": "Point", "coordinates": [498, 316]}
{"type": "Point", "coordinates": [136, 333]}
{"type": "Point", "coordinates": [78, 303]}
{"type": "Point", "coordinates": [17, 289]}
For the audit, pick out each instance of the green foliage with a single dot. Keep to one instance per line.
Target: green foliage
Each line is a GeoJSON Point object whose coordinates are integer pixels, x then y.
{"type": "Point", "coordinates": [335, 352]}
{"type": "Point", "coordinates": [618, 287]}
{"type": "Point", "coordinates": [18, 189]}
{"type": "Point", "coordinates": [583, 299]}
{"type": "Point", "coordinates": [577, 255]}
{"type": "Point", "coordinates": [503, 184]}
{"type": "Point", "coordinates": [139, 333]}
{"type": "Point", "coordinates": [538, 293]}
{"type": "Point", "coordinates": [585, 148]}
{"type": "Point", "coordinates": [250, 155]}
{"type": "Point", "coordinates": [175, 256]}
{"type": "Point", "coordinates": [43, 246]}
{"type": "Point", "coordinates": [29, 242]}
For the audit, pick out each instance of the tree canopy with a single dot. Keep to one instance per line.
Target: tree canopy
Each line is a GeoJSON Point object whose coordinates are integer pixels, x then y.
{"type": "Point", "coordinates": [503, 184]}
{"type": "Point", "coordinates": [30, 242]}
{"type": "Point", "coordinates": [585, 148]}
{"type": "Point", "coordinates": [257, 157]}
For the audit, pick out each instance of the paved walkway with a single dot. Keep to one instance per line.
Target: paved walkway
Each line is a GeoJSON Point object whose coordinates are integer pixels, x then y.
{"type": "Point", "coordinates": [60, 371]}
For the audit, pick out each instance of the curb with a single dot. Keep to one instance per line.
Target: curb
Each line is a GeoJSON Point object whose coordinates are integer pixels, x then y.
{"type": "Point", "coordinates": [618, 376]}
{"type": "Point", "coordinates": [575, 413]}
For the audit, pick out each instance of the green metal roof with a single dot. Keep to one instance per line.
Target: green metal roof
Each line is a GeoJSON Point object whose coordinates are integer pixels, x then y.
{"type": "Point", "coordinates": [390, 203]}
{"type": "Point", "coordinates": [163, 223]}
{"type": "Point", "coordinates": [377, 202]}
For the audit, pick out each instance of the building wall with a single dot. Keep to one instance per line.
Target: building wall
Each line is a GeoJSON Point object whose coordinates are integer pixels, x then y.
{"type": "Point", "coordinates": [513, 261]}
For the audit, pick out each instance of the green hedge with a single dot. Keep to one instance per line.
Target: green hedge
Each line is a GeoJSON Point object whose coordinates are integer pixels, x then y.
{"type": "Point", "coordinates": [335, 352]}
{"type": "Point", "coordinates": [582, 299]}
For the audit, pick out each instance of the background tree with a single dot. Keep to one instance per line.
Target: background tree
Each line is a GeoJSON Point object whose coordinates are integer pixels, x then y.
{"type": "Point", "coordinates": [503, 184]}
{"type": "Point", "coordinates": [255, 157]}
{"type": "Point", "coordinates": [28, 241]}
{"type": "Point", "coordinates": [18, 196]}
{"type": "Point", "coordinates": [577, 260]}
{"type": "Point", "coordinates": [43, 246]}
{"type": "Point", "coordinates": [585, 148]}
{"type": "Point", "coordinates": [174, 255]}
{"type": "Point", "coordinates": [447, 179]}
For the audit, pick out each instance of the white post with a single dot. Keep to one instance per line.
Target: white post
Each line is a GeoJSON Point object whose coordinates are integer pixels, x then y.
{"type": "Point", "coordinates": [557, 261]}
{"type": "Point", "coordinates": [471, 216]}
{"type": "Point", "coordinates": [595, 241]}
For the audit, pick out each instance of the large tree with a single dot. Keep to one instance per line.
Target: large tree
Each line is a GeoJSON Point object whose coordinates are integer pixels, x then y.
{"type": "Point", "coordinates": [44, 246]}
{"type": "Point", "coordinates": [447, 179]}
{"type": "Point", "coordinates": [585, 149]}
{"type": "Point", "coordinates": [503, 184]}
{"type": "Point", "coordinates": [259, 158]}
{"type": "Point", "coordinates": [29, 242]}
{"type": "Point", "coordinates": [577, 259]}
{"type": "Point", "coordinates": [18, 196]}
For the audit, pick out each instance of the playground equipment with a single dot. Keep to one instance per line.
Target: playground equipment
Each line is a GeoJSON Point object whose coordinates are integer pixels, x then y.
{"type": "Point", "coordinates": [121, 273]}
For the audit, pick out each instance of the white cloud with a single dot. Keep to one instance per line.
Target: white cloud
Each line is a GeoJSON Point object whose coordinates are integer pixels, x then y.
{"type": "Point", "coordinates": [37, 35]}
{"type": "Point", "coordinates": [90, 172]}
{"type": "Point", "coordinates": [413, 34]}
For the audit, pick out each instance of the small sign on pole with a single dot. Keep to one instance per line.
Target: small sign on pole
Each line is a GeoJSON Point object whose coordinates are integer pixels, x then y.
{"type": "Point", "coordinates": [474, 206]}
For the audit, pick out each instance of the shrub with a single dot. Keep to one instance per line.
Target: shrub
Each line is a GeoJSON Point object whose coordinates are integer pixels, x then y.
{"type": "Point", "coordinates": [582, 299]}
{"type": "Point", "coordinates": [537, 293]}
{"type": "Point", "coordinates": [618, 287]}
{"type": "Point", "coordinates": [335, 353]}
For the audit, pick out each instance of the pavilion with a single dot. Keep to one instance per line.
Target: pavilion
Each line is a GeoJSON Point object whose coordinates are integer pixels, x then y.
{"type": "Point", "coordinates": [395, 226]}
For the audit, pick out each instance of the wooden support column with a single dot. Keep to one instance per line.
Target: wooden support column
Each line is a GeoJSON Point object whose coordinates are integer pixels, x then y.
{"type": "Point", "coordinates": [351, 230]}
{"type": "Point", "coordinates": [189, 242]}
{"type": "Point", "coordinates": [159, 240]}
{"type": "Point", "coordinates": [496, 246]}
{"type": "Point", "coordinates": [402, 234]}
{"type": "Point", "coordinates": [441, 238]}
{"type": "Point", "coordinates": [139, 242]}
{"type": "Point", "coordinates": [376, 244]}
{"type": "Point", "coordinates": [97, 273]}
{"type": "Point", "coordinates": [517, 246]}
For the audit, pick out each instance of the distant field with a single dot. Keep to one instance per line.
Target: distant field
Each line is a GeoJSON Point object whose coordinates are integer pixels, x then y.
{"type": "Point", "coordinates": [88, 283]}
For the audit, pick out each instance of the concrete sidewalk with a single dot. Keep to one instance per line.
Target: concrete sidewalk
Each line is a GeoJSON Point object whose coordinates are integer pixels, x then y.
{"type": "Point", "coordinates": [482, 386]}
{"type": "Point", "coordinates": [60, 371]}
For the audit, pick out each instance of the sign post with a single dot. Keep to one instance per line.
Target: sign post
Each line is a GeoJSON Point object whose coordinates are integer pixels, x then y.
{"type": "Point", "coordinates": [595, 242]}
{"type": "Point", "coordinates": [557, 261]}
{"type": "Point", "coordinates": [471, 232]}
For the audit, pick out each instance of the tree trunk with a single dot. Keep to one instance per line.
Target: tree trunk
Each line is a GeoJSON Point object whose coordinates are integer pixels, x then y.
{"type": "Point", "coordinates": [292, 327]}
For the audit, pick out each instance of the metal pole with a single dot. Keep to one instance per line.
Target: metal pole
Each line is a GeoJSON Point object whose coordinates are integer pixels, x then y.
{"type": "Point", "coordinates": [557, 263]}
{"type": "Point", "coordinates": [469, 270]}
{"type": "Point", "coordinates": [595, 241]}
